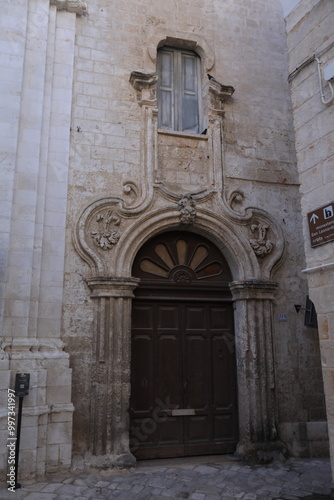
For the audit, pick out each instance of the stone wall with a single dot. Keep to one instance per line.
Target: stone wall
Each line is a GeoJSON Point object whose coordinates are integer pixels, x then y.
{"type": "Point", "coordinates": [118, 155]}
{"type": "Point", "coordinates": [311, 41]}
{"type": "Point", "coordinates": [88, 179]}
{"type": "Point", "coordinates": [38, 45]}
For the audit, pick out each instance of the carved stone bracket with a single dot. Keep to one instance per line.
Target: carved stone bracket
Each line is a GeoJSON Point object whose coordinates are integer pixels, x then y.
{"type": "Point", "coordinates": [261, 246]}
{"type": "Point", "coordinates": [218, 94]}
{"type": "Point", "coordinates": [76, 6]}
{"type": "Point", "coordinates": [187, 209]}
{"type": "Point", "coordinates": [146, 86]}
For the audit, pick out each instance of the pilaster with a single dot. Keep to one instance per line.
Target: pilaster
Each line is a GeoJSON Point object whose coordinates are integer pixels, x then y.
{"type": "Point", "coordinates": [34, 263]}
{"type": "Point", "coordinates": [111, 370]}
{"type": "Point", "coordinates": [255, 360]}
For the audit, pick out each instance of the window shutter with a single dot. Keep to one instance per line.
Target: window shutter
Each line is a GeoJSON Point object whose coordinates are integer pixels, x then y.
{"type": "Point", "coordinates": [190, 112]}
{"type": "Point", "coordinates": [178, 90]}
{"type": "Point", "coordinates": [166, 72]}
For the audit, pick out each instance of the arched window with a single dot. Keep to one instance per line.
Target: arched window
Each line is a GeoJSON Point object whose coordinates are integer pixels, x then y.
{"type": "Point", "coordinates": [179, 90]}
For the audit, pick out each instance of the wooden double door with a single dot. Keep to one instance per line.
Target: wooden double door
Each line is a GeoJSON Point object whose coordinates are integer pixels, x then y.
{"type": "Point", "coordinates": [183, 378]}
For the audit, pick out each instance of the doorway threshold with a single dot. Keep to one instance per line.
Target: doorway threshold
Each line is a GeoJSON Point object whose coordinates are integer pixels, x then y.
{"type": "Point", "coordinates": [202, 459]}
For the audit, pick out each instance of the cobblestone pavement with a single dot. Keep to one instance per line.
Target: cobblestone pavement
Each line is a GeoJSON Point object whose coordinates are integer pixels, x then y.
{"type": "Point", "coordinates": [206, 478]}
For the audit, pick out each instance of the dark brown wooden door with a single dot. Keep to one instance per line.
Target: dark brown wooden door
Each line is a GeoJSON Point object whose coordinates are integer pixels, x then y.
{"type": "Point", "coordinates": [183, 381]}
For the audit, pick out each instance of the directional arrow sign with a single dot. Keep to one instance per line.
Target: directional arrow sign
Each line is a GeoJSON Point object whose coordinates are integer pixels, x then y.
{"type": "Point", "coordinates": [321, 224]}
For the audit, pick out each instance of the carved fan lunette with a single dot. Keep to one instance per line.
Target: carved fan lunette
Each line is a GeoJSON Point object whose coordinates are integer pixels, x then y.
{"type": "Point", "coordinates": [181, 259]}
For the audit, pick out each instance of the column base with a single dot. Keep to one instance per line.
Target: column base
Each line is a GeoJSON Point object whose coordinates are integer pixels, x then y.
{"type": "Point", "coordinates": [262, 453]}
{"type": "Point", "coordinates": [117, 461]}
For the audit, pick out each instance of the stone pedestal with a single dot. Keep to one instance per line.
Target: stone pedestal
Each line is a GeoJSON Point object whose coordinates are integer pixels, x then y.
{"type": "Point", "coordinates": [46, 435]}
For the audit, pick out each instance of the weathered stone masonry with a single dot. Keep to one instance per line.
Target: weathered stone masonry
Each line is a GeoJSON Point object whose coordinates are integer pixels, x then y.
{"type": "Point", "coordinates": [89, 178]}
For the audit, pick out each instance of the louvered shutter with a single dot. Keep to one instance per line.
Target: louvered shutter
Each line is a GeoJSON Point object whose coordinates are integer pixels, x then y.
{"type": "Point", "coordinates": [189, 82]}
{"type": "Point", "coordinates": [178, 90]}
{"type": "Point", "coordinates": [166, 88]}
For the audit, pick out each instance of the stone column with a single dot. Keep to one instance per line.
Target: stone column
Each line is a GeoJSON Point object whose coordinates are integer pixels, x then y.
{"type": "Point", "coordinates": [111, 370]}
{"type": "Point", "coordinates": [255, 362]}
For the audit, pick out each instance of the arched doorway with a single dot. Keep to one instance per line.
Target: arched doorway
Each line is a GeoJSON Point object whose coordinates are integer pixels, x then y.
{"type": "Point", "coordinates": [183, 368]}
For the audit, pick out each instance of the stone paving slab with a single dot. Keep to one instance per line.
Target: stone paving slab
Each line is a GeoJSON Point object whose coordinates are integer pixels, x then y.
{"type": "Point", "coordinates": [205, 478]}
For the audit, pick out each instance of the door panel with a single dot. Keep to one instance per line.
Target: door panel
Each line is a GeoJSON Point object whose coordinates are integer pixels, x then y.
{"type": "Point", "coordinates": [197, 374]}
{"type": "Point", "coordinates": [195, 318]}
{"type": "Point", "coordinates": [183, 388]}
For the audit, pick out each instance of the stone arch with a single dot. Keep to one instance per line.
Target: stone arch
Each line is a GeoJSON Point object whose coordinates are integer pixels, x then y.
{"type": "Point", "coordinates": [234, 247]}
{"type": "Point", "coordinates": [112, 291]}
{"type": "Point", "coordinates": [231, 233]}
{"type": "Point", "coordinates": [183, 40]}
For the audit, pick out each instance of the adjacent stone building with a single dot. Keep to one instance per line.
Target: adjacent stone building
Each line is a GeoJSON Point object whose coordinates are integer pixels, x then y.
{"type": "Point", "coordinates": [152, 248]}
{"type": "Point", "coordinates": [311, 66]}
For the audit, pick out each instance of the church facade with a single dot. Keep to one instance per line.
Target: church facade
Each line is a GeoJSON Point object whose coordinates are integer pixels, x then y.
{"type": "Point", "coordinates": [153, 249]}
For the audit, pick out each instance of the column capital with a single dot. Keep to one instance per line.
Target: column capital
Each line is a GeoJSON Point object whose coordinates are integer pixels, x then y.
{"type": "Point", "coordinates": [76, 6]}
{"type": "Point", "coordinates": [253, 289]}
{"type": "Point", "coordinates": [112, 286]}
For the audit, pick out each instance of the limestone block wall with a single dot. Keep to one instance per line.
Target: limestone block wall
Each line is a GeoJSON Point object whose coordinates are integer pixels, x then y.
{"type": "Point", "coordinates": [182, 163]}
{"type": "Point", "coordinates": [118, 153]}
{"type": "Point", "coordinates": [311, 41]}
{"type": "Point", "coordinates": [85, 171]}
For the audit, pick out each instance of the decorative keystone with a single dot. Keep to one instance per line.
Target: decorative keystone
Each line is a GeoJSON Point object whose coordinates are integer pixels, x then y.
{"type": "Point", "coordinates": [187, 206]}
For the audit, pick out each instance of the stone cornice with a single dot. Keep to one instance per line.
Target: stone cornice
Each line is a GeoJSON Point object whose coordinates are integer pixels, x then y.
{"type": "Point", "coordinates": [112, 287]}
{"type": "Point", "coordinates": [34, 348]}
{"type": "Point", "coordinates": [76, 6]}
{"type": "Point", "coordinates": [140, 80]}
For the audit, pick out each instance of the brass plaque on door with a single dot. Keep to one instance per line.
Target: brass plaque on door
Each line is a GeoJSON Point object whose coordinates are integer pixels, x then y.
{"type": "Point", "coordinates": [183, 412]}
